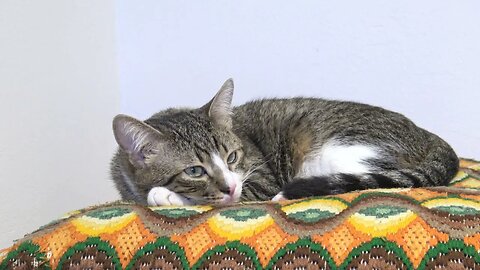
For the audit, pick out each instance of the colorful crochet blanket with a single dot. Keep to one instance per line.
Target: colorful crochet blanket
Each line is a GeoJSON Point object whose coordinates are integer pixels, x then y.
{"type": "Point", "coordinates": [422, 228]}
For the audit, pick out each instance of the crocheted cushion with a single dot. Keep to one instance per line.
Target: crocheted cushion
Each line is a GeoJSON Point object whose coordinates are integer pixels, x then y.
{"type": "Point", "coordinates": [420, 228]}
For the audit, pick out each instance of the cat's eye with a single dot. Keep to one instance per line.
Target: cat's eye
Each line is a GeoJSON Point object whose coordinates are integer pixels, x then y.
{"type": "Point", "coordinates": [232, 158]}
{"type": "Point", "coordinates": [195, 171]}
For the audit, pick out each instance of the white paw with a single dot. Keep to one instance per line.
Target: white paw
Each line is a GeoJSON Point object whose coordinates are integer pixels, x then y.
{"type": "Point", "coordinates": [279, 197]}
{"type": "Point", "coordinates": [159, 196]}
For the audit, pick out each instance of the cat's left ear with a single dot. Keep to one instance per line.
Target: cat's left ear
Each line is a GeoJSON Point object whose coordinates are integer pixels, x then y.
{"type": "Point", "coordinates": [219, 109]}
{"type": "Point", "coordinates": [140, 141]}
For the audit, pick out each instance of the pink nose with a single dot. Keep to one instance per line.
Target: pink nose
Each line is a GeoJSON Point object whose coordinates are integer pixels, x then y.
{"type": "Point", "coordinates": [232, 189]}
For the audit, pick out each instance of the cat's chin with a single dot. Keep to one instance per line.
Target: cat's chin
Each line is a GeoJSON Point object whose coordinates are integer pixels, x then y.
{"type": "Point", "coordinates": [228, 199]}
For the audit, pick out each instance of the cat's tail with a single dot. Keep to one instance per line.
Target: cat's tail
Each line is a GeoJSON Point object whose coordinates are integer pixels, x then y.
{"type": "Point", "coordinates": [438, 167]}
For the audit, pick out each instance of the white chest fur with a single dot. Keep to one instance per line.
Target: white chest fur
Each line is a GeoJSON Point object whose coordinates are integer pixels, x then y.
{"type": "Point", "coordinates": [334, 158]}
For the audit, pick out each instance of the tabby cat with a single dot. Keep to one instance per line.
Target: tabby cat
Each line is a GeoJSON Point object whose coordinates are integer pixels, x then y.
{"type": "Point", "coordinates": [272, 148]}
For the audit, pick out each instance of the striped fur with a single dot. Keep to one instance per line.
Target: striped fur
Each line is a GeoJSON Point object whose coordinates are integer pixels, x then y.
{"type": "Point", "coordinates": [301, 146]}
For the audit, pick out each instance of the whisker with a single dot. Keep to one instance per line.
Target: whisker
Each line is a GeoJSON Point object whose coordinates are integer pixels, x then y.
{"type": "Point", "coordinates": [252, 170]}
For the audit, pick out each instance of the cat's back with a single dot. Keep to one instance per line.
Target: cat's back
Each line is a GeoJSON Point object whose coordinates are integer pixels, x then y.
{"type": "Point", "coordinates": [274, 110]}
{"type": "Point", "coordinates": [314, 112]}
{"type": "Point", "coordinates": [284, 123]}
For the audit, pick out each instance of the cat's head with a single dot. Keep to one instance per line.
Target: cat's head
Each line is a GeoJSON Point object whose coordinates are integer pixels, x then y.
{"type": "Point", "coordinates": [192, 152]}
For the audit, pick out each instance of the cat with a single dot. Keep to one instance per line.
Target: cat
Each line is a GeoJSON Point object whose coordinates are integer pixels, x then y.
{"type": "Point", "coordinates": [272, 149]}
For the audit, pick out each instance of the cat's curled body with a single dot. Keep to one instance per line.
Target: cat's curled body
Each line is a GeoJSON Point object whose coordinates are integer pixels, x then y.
{"type": "Point", "coordinates": [273, 148]}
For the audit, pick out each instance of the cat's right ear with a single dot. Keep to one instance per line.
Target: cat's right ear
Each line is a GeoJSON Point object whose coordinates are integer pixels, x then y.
{"type": "Point", "coordinates": [137, 139]}
{"type": "Point", "coordinates": [219, 109]}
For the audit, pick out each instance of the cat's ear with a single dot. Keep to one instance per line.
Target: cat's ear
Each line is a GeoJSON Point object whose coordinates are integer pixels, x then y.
{"type": "Point", "coordinates": [219, 109]}
{"type": "Point", "coordinates": [139, 140]}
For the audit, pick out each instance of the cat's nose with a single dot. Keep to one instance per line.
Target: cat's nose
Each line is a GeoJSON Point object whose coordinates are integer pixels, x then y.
{"type": "Point", "coordinates": [225, 190]}
{"type": "Point", "coordinates": [232, 189]}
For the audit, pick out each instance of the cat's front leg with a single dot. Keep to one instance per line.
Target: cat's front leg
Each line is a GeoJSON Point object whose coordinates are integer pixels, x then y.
{"type": "Point", "coordinates": [160, 196]}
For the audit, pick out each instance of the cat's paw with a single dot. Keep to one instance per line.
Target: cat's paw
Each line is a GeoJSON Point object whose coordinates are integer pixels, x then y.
{"type": "Point", "coordinates": [279, 197]}
{"type": "Point", "coordinates": [160, 196]}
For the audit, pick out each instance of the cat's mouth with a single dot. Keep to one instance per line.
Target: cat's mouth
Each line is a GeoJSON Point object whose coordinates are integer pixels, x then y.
{"type": "Point", "coordinates": [234, 195]}
{"type": "Point", "coordinates": [227, 199]}
{"type": "Point", "coordinates": [223, 199]}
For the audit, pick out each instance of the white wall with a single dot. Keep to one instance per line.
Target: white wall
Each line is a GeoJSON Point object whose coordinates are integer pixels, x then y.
{"type": "Point", "coordinates": [421, 58]}
{"type": "Point", "coordinates": [58, 93]}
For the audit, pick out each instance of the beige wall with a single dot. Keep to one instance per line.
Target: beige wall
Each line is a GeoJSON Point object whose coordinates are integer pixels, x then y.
{"type": "Point", "coordinates": [58, 94]}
